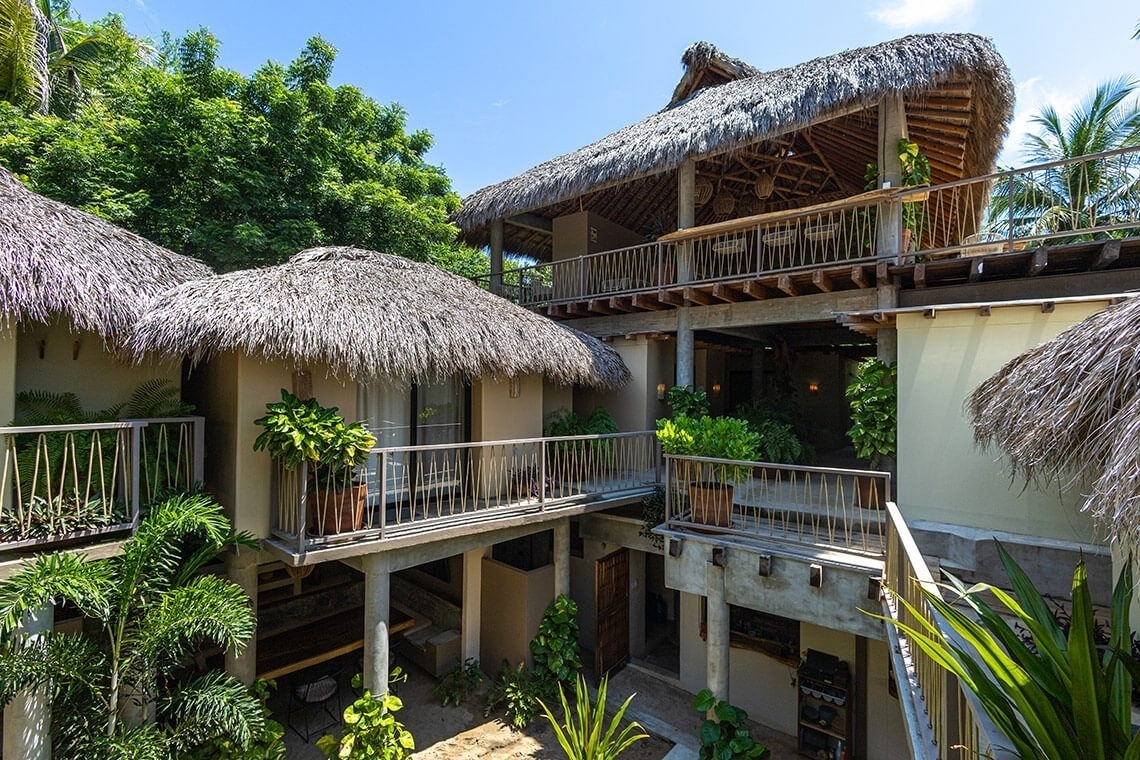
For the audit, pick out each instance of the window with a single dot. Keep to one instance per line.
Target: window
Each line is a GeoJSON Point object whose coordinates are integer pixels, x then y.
{"type": "Point", "coordinates": [775, 636]}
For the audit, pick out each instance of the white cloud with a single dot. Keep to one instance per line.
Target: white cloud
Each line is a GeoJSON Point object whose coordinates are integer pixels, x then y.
{"type": "Point", "coordinates": [909, 14]}
{"type": "Point", "coordinates": [1032, 95]}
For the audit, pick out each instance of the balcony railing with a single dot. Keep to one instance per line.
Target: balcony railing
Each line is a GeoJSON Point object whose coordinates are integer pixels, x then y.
{"type": "Point", "coordinates": [67, 482]}
{"type": "Point", "coordinates": [413, 489]}
{"type": "Point", "coordinates": [943, 719]}
{"type": "Point", "coordinates": [1081, 199]}
{"type": "Point", "coordinates": [817, 506]}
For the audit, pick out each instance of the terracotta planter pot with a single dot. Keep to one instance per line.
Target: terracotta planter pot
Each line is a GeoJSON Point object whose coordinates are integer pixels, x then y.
{"type": "Point", "coordinates": [336, 511]}
{"type": "Point", "coordinates": [711, 503]}
{"type": "Point", "coordinates": [870, 493]}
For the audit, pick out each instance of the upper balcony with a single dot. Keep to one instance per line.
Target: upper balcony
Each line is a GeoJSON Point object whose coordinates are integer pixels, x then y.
{"type": "Point", "coordinates": [1067, 216]}
{"type": "Point", "coordinates": [77, 484]}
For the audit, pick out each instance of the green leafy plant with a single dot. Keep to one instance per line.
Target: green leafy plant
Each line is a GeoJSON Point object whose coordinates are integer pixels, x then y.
{"type": "Point", "coordinates": [777, 443]}
{"type": "Point", "coordinates": [555, 647]}
{"type": "Point", "coordinates": [713, 437]}
{"type": "Point", "coordinates": [583, 733]}
{"type": "Point", "coordinates": [873, 396]}
{"type": "Point", "coordinates": [518, 691]}
{"type": "Point", "coordinates": [652, 515]}
{"type": "Point", "coordinates": [726, 737]}
{"type": "Point", "coordinates": [370, 729]}
{"type": "Point", "coordinates": [456, 685]}
{"type": "Point", "coordinates": [684, 400]}
{"type": "Point", "coordinates": [1061, 697]}
{"type": "Point", "coordinates": [299, 431]}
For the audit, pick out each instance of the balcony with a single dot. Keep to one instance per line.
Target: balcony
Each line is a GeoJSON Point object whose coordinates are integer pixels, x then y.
{"type": "Point", "coordinates": [64, 484]}
{"type": "Point", "coordinates": [1076, 215]}
{"type": "Point", "coordinates": [414, 494]}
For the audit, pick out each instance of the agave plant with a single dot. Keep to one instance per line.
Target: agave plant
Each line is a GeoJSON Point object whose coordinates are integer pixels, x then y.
{"type": "Point", "coordinates": [1060, 697]}
{"type": "Point", "coordinates": [583, 733]}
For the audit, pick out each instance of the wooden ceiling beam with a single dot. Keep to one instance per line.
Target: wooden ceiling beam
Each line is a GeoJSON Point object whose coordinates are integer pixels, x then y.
{"type": "Point", "coordinates": [646, 302]}
{"type": "Point", "coordinates": [785, 284]}
{"type": "Point", "coordinates": [532, 222]}
{"type": "Point", "coordinates": [726, 293]}
{"type": "Point", "coordinates": [697, 296]}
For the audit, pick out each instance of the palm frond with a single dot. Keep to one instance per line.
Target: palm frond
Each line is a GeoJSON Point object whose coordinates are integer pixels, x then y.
{"type": "Point", "coordinates": [208, 609]}
{"type": "Point", "coordinates": [52, 577]}
{"type": "Point", "coordinates": [215, 706]}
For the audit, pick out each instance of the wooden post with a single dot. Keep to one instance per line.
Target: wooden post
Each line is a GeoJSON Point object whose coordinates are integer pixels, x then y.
{"type": "Point", "coordinates": [302, 384]}
{"type": "Point", "coordinates": [686, 218]}
{"type": "Point", "coordinates": [892, 128]}
{"type": "Point", "coordinates": [497, 257]}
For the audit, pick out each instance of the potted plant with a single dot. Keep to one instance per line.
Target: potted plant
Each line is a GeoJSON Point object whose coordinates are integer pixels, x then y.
{"type": "Point", "coordinates": [298, 431]}
{"type": "Point", "coordinates": [873, 396]}
{"type": "Point", "coordinates": [915, 172]}
{"type": "Point", "coordinates": [710, 496]}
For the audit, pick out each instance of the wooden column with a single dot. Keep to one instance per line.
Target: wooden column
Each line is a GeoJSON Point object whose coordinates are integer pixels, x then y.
{"type": "Point", "coordinates": [377, 598]}
{"type": "Point", "coordinates": [892, 128]}
{"type": "Point", "coordinates": [497, 256]}
{"type": "Point", "coordinates": [241, 568]}
{"type": "Point", "coordinates": [686, 218]}
{"type": "Point", "coordinates": [27, 718]}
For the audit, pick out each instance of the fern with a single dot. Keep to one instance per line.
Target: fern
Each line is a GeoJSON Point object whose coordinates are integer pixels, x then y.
{"type": "Point", "coordinates": [156, 398]}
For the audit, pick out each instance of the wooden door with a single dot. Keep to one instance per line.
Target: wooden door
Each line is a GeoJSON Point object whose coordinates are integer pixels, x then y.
{"type": "Point", "coordinates": [611, 600]}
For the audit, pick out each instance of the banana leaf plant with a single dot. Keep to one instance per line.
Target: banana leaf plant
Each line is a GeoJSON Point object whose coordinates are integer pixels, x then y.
{"type": "Point", "coordinates": [1067, 699]}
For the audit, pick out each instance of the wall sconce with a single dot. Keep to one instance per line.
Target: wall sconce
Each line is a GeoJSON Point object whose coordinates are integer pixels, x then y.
{"type": "Point", "coordinates": [660, 391]}
{"type": "Point", "coordinates": [515, 387]}
{"type": "Point", "coordinates": [813, 386]}
{"type": "Point", "coordinates": [716, 387]}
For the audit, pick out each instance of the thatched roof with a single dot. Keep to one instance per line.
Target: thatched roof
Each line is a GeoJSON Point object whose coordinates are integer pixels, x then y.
{"type": "Point", "coordinates": [1069, 411]}
{"type": "Point", "coordinates": [57, 260]}
{"type": "Point", "coordinates": [707, 66]}
{"type": "Point", "coordinates": [368, 315]}
{"type": "Point", "coordinates": [957, 90]}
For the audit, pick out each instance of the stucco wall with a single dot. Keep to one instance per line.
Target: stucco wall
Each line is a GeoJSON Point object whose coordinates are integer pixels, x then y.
{"type": "Point", "coordinates": [7, 375]}
{"type": "Point", "coordinates": [942, 476]}
{"type": "Point", "coordinates": [586, 232]}
{"type": "Point", "coordinates": [635, 406]}
{"type": "Point", "coordinates": [511, 605]}
{"type": "Point", "coordinates": [496, 416]}
{"type": "Point", "coordinates": [94, 374]}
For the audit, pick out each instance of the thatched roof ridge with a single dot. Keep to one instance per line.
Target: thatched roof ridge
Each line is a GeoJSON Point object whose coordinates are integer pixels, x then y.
{"type": "Point", "coordinates": [1068, 412]}
{"type": "Point", "coordinates": [722, 118]}
{"type": "Point", "coordinates": [57, 260]}
{"type": "Point", "coordinates": [368, 315]}
{"type": "Point", "coordinates": [703, 58]}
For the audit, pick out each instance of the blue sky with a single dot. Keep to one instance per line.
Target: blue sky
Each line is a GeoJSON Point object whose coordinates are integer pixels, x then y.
{"type": "Point", "coordinates": [506, 85]}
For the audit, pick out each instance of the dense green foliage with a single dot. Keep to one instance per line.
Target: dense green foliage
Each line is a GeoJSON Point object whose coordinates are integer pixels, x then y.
{"type": "Point", "coordinates": [299, 431]}
{"type": "Point", "coordinates": [234, 170]}
{"type": "Point", "coordinates": [1061, 695]}
{"type": "Point", "coordinates": [371, 729]}
{"type": "Point", "coordinates": [153, 608]}
{"type": "Point", "coordinates": [555, 646]}
{"type": "Point", "coordinates": [873, 396]}
{"type": "Point", "coordinates": [713, 437]}
{"type": "Point", "coordinates": [583, 733]}
{"type": "Point", "coordinates": [518, 691]}
{"type": "Point", "coordinates": [724, 736]}
{"type": "Point", "coordinates": [454, 686]}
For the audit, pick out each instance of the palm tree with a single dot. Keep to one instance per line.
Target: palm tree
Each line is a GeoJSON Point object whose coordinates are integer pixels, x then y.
{"type": "Point", "coordinates": [1076, 195]}
{"type": "Point", "coordinates": [155, 609]}
{"type": "Point", "coordinates": [44, 54]}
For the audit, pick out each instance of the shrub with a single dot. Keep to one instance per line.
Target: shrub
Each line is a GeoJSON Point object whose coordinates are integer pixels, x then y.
{"type": "Point", "coordinates": [456, 685]}
{"type": "Point", "coordinates": [370, 729]}
{"type": "Point", "coordinates": [725, 738]}
{"type": "Point", "coordinates": [555, 647]}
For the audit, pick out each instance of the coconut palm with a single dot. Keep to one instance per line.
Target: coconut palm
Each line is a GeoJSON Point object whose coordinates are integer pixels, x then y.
{"type": "Point", "coordinates": [1077, 195]}
{"type": "Point", "coordinates": [44, 53]}
{"type": "Point", "coordinates": [154, 609]}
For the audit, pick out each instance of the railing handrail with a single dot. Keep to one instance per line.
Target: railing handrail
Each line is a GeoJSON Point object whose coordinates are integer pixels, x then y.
{"type": "Point", "coordinates": [508, 442]}
{"type": "Point", "coordinates": [780, 465]}
{"type": "Point", "coordinates": [72, 427]}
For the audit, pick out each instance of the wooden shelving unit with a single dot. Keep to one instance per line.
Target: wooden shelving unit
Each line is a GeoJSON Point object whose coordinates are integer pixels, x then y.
{"type": "Point", "coordinates": [825, 713]}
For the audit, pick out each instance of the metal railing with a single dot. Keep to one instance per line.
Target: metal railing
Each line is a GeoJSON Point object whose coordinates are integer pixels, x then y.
{"type": "Point", "coordinates": [817, 506]}
{"type": "Point", "coordinates": [404, 490]}
{"type": "Point", "coordinates": [944, 720]}
{"type": "Point", "coordinates": [1078, 199]}
{"type": "Point", "coordinates": [65, 482]}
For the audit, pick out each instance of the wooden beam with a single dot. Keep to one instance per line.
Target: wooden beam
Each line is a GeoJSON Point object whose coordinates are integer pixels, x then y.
{"type": "Point", "coordinates": [756, 289]}
{"type": "Point", "coordinates": [920, 275]}
{"type": "Point", "coordinates": [670, 297]}
{"type": "Point", "coordinates": [882, 274]}
{"type": "Point", "coordinates": [577, 309]}
{"type": "Point", "coordinates": [984, 311]}
{"type": "Point", "coordinates": [785, 284]}
{"type": "Point", "coordinates": [859, 277]}
{"type": "Point", "coordinates": [1038, 262]}
{"type": "Point", "coordinates": [976, 267]}
{"type": "Point", "coordinates": [532, 222]}
{"type": "Point", "coordinates": [1107, 255]}
{"type": "Point", "coordinates": [726, 293]}
{"type": "Point", "coordinates": [693, 295]}
{"type": "Point", "coordinates": [621, 304]}
{"type": "Point", "coordinates": [646, 302]}
{"type": "Point", "coordinates": [1048, 307]}
{"type": "Point", "coordinates": [600, 306]}
{"type": "Point", "coordinates": [821, 281]}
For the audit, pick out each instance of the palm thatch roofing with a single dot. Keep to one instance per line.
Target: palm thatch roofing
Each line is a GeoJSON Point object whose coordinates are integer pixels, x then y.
{"type": "Point", "coordinates": [1068, 411]}
{"type": "Point", "coordinates": [57, 260]}
{"type": "Point", "coordinates": [368, 315]}
{"type": "Point", "coordinates": [813, 126]}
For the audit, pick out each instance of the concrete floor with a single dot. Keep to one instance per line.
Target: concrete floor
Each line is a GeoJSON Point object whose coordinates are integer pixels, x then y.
{"type": "Point", "coordinates": [662, 708]}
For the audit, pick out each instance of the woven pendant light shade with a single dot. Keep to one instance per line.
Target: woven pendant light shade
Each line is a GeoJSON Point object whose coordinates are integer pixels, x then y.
{"type": "Point", "coordinates": [724, 203]}
{"type": "Point", "coordinates": [765, 184]}
{"type": "Point", "coordinates": [702, 192]}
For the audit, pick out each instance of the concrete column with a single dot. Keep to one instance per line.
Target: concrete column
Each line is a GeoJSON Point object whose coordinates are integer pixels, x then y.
{"type": "Point", "coordinates": [497, 256]}
{"type": "Point", "coordinates": [717, 628]}
{"type": "Point", "coordinates": [562, 557]}
{"type": "Point", "coordinates": [887, 338]}
{"type": "Point", "coordinates": [892, 127]}
{"type": "Point", "coordinates": [27, 718]}
{"type": "Point", "coordinates": [7, 394]}
{"type": "Point", "coordinates": [686, 218]}
{"type": "Point", "coordinates": [377, 597]}
{"type": "Point", "coordinates": [472, 602]}
{"type": "Point", "coordinates": [241, 568]}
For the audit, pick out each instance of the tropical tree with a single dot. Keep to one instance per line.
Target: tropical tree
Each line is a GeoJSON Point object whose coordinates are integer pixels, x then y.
{"type": "Point", "coordinates": [154, 609]}
{"type": "Point", "coordinates": [1056, 695]}
{"type": "Point", "coordinates": [1076, 195]}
